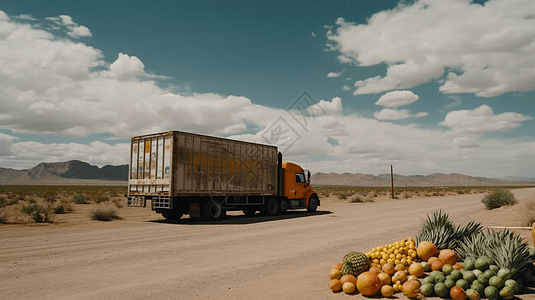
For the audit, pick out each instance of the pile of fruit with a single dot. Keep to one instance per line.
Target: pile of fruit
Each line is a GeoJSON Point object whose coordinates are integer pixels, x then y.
{"type": "Point", "coordinates": [444, 261]}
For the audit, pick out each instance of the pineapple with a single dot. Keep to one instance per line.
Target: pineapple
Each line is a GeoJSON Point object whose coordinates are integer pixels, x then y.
{"type": "Point", "coordinates": [355, 263]}
{"type": "Point", "coordinates": [439, 230]}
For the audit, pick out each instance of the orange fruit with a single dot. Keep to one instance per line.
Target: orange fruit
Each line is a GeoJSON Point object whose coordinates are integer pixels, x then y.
{"type": "Point", "coordinates": [458, 266]}
{"type": "Point", "coordinates": [457, 293]}
{"type": "Point", "coordinates": [437, 265]}
{"type": "Point", "coordinates": [337, 266]}
{"type": "Point", "coordinates": [448, 256]}
{"type": "Point", "coordinates": [368, 283]}
{"type": "Point", "coordinates": [426, 250]}
{"type": "Point", "coordinates": [335, 274]}
{"type": "Point", "coordinates": [348, 278]}
{"type": "Point", "coordinates": [410, 288]}
{"type": "Point", "coordinates": [432, 259]}
{"type": "Point", "coordinates": [335, 285]}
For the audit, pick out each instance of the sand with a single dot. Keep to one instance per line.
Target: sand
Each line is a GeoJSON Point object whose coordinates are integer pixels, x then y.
{"type": "Point", "coordinates": [141, 256]}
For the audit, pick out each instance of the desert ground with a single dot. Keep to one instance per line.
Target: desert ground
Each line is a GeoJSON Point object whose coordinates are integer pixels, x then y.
{"type": "Point", "coordinates": [142, 256]}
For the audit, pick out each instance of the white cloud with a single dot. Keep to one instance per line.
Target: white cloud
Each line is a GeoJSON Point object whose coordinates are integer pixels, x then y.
{"type": "Point", "coordinates": [481, 120]}
{"type": "Point", "coordinates": [73, 29]}
{"type": "Point", "coordinates": [127, 68]}
{"type": "Point", "coordinates": [334, 74]}
{"type": "Point", "coordinates": [397, 99]}
{"type": "Point", "coordinates": [333, 107]}
{"type": "Point", "coordinates": [395, 114]}
{"type": "Point", "coordinates": [487, 49]}
{"type": "Point", "coordinates": [51, 85]}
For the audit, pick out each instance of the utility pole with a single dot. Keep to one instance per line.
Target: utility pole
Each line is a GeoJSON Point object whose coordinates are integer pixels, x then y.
{"type": "Point", "coordinates": [392, 179]}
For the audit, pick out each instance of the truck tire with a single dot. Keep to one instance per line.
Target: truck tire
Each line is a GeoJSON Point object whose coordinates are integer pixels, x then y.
{"type": "Point", "coordinates": [172, 214]}
{"type": "Point", "coordinates": [213, 211]}
{"type": "Point", "coordinates": [313, 203]}
{"type": "Point", "coordinates": [283, 206]}
{"type": "Point", "coordinates": [271, 207]}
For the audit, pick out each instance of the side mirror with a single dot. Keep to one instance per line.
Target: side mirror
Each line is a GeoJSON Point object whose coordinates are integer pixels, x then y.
{"type": "Point", "coordinates": [308, 176]}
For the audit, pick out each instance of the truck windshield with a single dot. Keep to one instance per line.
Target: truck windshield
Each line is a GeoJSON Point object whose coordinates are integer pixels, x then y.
{"type": "Point", "coordinates": [300, 177]}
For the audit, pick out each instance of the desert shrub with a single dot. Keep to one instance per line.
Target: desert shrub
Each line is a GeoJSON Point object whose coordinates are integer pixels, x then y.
{"type": "Point", "coordinates": [38, 213]}
{"type": "Point", "coordinates": [31, 200]}
{"type": "Point", "coordinates": [528, 212]}
{"type": "Point", "coordinates": [356, 198]}
{"type": "Point", "coordinates": [102, 198]}
{"type": "Point", "coordinates": [104, 213]}
{"type": "Point", "coordinates": [67, 204]}
{"type": "Point", "coordinates": [498, 198]}
{"type": "Point", "coordinates": [118, 202]}
{"type": "Point", "coordinates": [60, 209]}
{"type": "Point", "coordinates": [79, 199]}
{"type": "Point", "coordinates": [3, 216]}
{"type": "Point", "coordinates": [50, 199]}
{"type": "Point", "coordinates": [3, 201]}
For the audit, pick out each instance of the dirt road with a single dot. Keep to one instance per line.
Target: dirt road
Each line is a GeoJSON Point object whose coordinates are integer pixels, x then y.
{"type": "Point", "coordinates": [285, 257]}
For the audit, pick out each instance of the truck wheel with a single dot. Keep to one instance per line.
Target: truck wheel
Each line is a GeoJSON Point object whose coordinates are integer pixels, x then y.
{"type": "Point", "coordinates": [312, 203]}
{"type": "Point", "coordinates": [271, 207]}
{"type": "Point", "coordinates": [283, 206]}
{"type": "Point", "coordinates": [213, 211]}
{"type": "Point", "coordinates": [249, 212]}
{"type": "Point", "coordinates": [172, 214]}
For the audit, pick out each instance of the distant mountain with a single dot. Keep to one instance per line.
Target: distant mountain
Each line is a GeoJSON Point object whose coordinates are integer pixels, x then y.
{"type": "Point", "coordinates": [437, 179]}
{"type": "Point", "coordinates": [73, 169]}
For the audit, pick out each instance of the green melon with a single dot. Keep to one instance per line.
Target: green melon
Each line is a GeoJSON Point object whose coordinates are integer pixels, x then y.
{"type": "Point", "coordinates": [441, 289]}
{"type": "Point", "coordinates": [507, 293]}
{"type": "Point", "coordinates": [492, 293]}
{"type": "Point", "coordinates": [482, 263]}
{"type": "Point", "coordinates": [497, 282]}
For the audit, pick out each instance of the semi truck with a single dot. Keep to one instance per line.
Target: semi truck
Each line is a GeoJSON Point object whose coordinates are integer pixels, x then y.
{"type": "Point", "coordinates": [202, 176]}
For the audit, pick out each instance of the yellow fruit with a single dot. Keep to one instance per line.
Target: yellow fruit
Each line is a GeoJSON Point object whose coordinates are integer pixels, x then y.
{"type": "Point", "coordinates": [335, 274]}
{"type": "Point", "coordinates": [335, 285]}
{"type": "Point", "coordinates": [389, 269]}
{"type": "Point", "coordinates": [400, 276]}
{"type": "Point", "coordinates": [375, 270]}
{"type": "Point", "coordinates": [387, 291]}
{"type": "Point", "coordinates": [385, 278]}
{"type": "Point", "coordinates": [399, 267]}
{"type": "Point", "coordinates": [426, 250]}
{"type": "Point", "coordinates": [368, 283]}
{"type": "Point", "coordinates": [396, 287]}
{"type": "Point", "coordinates": [348, 287]}
{"type": "Point", "coordinates": [416, 269]}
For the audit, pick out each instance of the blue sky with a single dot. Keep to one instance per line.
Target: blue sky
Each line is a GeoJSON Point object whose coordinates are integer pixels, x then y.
{"type": "Point", "coordinates": [355, 86]}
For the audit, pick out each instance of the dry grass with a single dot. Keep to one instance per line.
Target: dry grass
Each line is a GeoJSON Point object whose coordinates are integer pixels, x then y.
{"type": "Point", "coordinates": [104, 213]}
{"type": "Point", "coordinates": [528, 212]}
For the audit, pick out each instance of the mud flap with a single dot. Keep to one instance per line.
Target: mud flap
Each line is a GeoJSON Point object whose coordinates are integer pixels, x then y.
{"type": "Point", "coordinates": [195, 210]}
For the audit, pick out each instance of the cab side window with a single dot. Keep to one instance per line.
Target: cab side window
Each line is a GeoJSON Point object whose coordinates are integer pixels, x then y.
{"type": "Point", "coordinates": [300, 177]}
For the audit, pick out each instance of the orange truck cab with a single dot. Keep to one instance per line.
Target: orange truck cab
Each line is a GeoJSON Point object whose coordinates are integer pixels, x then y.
{"type": "Point", "coordinates": [296, 187]}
